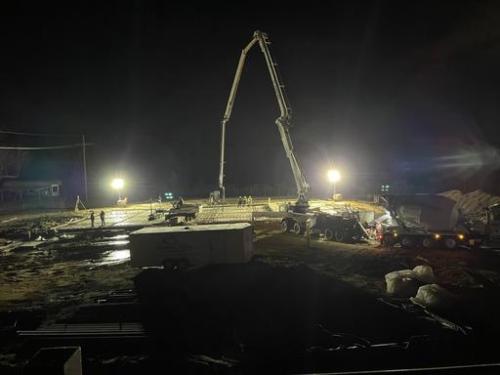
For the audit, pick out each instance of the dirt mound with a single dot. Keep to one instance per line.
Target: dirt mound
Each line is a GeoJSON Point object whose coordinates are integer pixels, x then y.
{"type": "Point", "coordinates": [473, 203]}
{"type": "Point", "coordinates": [265, 317]}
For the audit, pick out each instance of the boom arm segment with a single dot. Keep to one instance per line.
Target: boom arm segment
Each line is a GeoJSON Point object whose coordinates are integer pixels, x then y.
{"type": "Point", "coordinates": [283, 122]}
{"type": "Point", "coordinates": [229, 110]}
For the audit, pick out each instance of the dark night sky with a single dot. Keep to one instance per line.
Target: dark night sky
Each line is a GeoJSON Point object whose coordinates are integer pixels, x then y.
{"type": "Point", "coordinates": [378, 87]}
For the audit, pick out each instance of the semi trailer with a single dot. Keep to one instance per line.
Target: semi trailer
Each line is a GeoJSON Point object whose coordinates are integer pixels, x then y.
{"type": "Point", "coordinates": [432, 221]}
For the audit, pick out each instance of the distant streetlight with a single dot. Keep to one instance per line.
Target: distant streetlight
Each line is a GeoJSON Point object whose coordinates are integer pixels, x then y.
{"type": "Point", "coordinates": [334, 177]}
{"type": "Point", "coordinates": [118, 184]}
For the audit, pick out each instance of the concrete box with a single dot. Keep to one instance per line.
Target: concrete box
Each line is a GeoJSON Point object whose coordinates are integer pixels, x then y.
{"type": "Point", "coordinates": [196, 244]}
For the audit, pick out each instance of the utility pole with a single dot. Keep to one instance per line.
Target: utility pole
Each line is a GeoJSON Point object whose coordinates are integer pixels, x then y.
{"type": "Point", "coordinates": [84, 169]}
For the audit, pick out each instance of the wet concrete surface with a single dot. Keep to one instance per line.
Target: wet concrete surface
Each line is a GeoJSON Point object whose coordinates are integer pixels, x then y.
{"type": "Point", "coordinates": [133, 216]}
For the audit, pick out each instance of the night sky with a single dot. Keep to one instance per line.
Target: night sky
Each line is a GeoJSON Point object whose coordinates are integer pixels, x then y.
{"type": "Point", "coordinates": [389, 89]}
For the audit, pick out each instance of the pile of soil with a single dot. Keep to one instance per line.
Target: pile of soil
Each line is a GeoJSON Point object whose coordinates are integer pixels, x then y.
{"type": "Point", "coordinates": [471, 204]}
{"type": "Point", "coordinates": [256, 316]}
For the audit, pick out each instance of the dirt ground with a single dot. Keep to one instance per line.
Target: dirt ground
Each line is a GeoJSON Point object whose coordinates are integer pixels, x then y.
{"type": "Point", "coordinates": [58, 276]}
{"type": "Point", "coordinates": [76, 267]}
{"type": "Point", "coordinates": [365, 265]}
{"type": "Point", "coordinates": [55, 278]}
{"type": "Point", "coordinates": [28, 226]}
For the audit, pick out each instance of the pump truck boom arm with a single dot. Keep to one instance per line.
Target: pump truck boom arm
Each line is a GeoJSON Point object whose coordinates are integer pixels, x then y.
{"type": "Point", "coordinates": [283, 121]}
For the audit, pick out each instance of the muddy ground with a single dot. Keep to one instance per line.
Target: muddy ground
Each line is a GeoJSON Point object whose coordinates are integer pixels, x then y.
{"type": "Point", "coordinates": [364, 265]}
{"type": "Point", "coordinates": [64, 273]}
{"type": "Point", "coordinates": [30, 226]}
{"type": "Point", "coordinates": [56, 277]}
{"type": "Point", "coordinates": [76, 267]}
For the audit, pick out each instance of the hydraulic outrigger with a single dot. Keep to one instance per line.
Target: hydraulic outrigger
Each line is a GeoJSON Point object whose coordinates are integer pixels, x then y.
{"type": "Point", "coordinates": [283, 121]}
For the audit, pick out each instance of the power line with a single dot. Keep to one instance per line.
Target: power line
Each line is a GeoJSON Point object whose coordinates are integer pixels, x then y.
{"type": "Point", "coordinates": [83, 145]}
{"type": "Point", "coordinates": [39, 134]}
{"type": "Point", "coordinates": [23, 148]}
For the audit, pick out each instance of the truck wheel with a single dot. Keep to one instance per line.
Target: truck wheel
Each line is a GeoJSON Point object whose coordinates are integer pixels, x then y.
{"type": "Point", "coordinates": [284, 226]}
{"type": "Point", "coordinates": [328, 234]}
{"type": "Point", "coordinates": [296, 228]}
{"type": "Point", "coordinates": [388, 240]}
{"type": "Point", "coordinates": [339, 236]}
{"type": "Point", "coordinates": [427, 243]}
{"type": "Point", "coordinates": [450, 243]}
{"type": "Point", "coordinates": [406, 242]}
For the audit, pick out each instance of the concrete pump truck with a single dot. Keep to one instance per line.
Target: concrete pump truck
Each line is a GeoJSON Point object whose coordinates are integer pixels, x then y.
{"type": "Point", "coordinates": [298, 216]}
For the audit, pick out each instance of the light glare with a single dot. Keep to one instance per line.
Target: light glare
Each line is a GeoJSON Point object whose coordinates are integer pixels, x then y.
{"type": "Point", "coordinates": [333, 175]}
{"type": "Point", "coordinates": [117, 183]}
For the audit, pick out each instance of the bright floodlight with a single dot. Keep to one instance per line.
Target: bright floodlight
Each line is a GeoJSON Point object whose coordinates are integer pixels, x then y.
{"type": "Point", "coordinates": [333, 176]}
{"type": "Point", "coordinates": [117, 183]}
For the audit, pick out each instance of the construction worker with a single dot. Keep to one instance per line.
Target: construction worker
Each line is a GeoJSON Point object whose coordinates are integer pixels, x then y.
{"type": "Point", "coordinates": [92, 219]}
{"type": "Point", "coordinates": [379, 233]}
{"type": "Point", "coordinates": [102, 216]}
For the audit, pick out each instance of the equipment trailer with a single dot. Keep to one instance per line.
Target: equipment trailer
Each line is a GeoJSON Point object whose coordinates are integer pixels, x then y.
{"type": "Point", "coordinates": [462, 232]}
{"type": "Point", "coordinates": [419, 237]}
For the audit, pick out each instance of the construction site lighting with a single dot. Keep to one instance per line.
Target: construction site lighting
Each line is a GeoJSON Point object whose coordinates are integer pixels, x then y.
{"type": "Point", "coordinates": [333, 176]}
{"type": "Point", "coordinates": [117, 183]}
